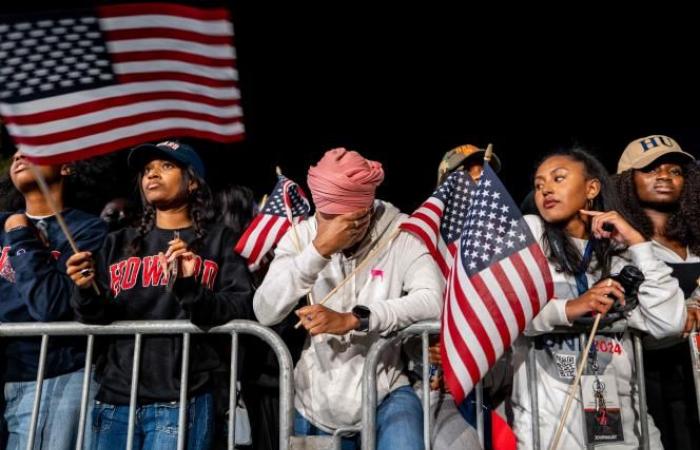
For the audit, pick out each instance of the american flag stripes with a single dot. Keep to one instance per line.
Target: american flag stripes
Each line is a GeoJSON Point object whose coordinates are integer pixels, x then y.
{"type": "Point", "coordinates": [287, 203]}
{"type": "Point", "coordinates": [439, 221]}
{"type": "Point", "coordinates": [85, 82]}
{"type": "Point", "coordinates": [498, 282]}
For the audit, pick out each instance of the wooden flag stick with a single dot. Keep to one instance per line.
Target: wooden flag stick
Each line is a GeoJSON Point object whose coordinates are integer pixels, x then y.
{"type": "Point", "coordinates": [489, 153]}
{"type": "Point", "coordinates": [574, 387]}
{"type": "Point", "coordinates": [295, 234]}
{"type": "Point", "coordinates": [59, 217]}
{"type": "Point", "coordinates": [263, 200]}
{"type": "Point", "coordinates": [381, 245]}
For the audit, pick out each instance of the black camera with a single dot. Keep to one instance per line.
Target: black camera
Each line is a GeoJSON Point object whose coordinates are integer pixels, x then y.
{"type": "Point", "coordinates": [631, 278]}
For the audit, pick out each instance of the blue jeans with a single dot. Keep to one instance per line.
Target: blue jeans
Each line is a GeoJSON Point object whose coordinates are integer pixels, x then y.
{"type": "Point", "coordinates": [399, 423]}
{"type": "Point", "coordinates": [155, 427]}
{"type": "Point", "coordinates": [57, 424]}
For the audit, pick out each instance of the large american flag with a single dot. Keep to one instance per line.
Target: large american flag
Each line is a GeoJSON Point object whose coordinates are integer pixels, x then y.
{"type": "Point", "coordinates": [498, 282]}
{"type": "Point", "coordinates": [439, 221]}
{"type": "Point", "coordinates": [85, 82]}
{"type": "Point", "coordinates": [286, 204]}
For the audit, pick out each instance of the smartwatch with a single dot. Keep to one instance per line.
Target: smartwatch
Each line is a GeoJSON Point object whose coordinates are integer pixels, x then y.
{"type": "Point", "coordinates": [362, 313]}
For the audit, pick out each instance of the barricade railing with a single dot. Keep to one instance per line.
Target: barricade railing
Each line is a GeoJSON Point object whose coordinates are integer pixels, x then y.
{"type": "Point", "coordinates": [369, 385]}
{"type": "Point", "coordinates": [159, 327]}
{"type": "Point", "coordinates": [582, 333]}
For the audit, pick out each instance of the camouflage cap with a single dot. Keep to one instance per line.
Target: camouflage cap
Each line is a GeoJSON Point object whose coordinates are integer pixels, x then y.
{"type": "Point", "coordinates": [455, 158]}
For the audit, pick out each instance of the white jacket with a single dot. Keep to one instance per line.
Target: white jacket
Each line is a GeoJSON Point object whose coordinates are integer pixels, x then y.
{"type": "Point", "coordinates": [661, 312]}
{"type": "Point", "coordinates": [402, 285]}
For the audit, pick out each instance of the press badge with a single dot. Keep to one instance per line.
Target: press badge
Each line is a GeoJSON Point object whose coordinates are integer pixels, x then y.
{"type": "Point", "coordinates": [601, 409]}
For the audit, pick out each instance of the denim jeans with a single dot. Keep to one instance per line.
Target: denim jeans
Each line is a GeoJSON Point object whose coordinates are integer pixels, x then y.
{"type": "Point", "coordinates": [57, 424]}
{"type": "Point", "coordinates": [399, 423]}
{"type": "Point", "coordinates": [155, 427]}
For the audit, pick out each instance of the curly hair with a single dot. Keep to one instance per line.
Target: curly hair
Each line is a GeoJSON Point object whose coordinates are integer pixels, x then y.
{"type": "Point", "coordinates": [199, 206]}
{"type": "Point", "coordinates": [684, 222]}
{"type": "Point", "coordinates": [558, 246]}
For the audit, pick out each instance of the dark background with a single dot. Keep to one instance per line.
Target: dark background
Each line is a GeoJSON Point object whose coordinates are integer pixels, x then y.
{"type": "Point", "coordinates": [403, 84]}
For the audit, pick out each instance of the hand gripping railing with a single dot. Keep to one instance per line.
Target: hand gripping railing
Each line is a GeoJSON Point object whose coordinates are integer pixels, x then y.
{"type": "Point", "coordinates": [138, 329]}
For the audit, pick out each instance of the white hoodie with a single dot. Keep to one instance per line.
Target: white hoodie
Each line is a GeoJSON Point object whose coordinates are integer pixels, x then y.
{"type": "Point", "coordinates": [661, 312]}
{"type": "Point", "coordinates": [401, 286]}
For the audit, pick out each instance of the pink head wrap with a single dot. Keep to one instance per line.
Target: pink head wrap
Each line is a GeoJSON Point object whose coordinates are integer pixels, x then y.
{"type": "Point", "coordinates": [343, 181]}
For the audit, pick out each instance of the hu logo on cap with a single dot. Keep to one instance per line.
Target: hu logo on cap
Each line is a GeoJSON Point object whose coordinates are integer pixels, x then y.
{"type": "Point", "coordinates": [171, 144]}
{"type": "Point", "coordinates": [655, 141]}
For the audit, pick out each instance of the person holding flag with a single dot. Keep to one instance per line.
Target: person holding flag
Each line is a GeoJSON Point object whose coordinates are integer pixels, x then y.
{"type": "Point", "coordinates": [587, 241]}
{"type": "Point", "coordinates": [400, 286]}
{"type": "Point", "coordinates": [34, 287]}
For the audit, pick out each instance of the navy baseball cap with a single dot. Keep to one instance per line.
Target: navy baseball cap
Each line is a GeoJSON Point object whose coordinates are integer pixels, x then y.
{"type": "Point", "coordinates": [170, 150]}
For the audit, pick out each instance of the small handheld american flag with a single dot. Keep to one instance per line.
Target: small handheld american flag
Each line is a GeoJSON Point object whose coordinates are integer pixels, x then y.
{"type": "Point", "coordinates": [286, 204]}
{"type": "Point", "coordinates": [499, 281]}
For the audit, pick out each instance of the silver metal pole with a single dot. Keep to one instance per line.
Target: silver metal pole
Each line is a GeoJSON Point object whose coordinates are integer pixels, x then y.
{"type": "Point", "coordinates": [369, 394]}
{"type": "Point", "coordinates": [694, 342]}
{"type": "Point", "coordinates": [134, 392]}
{"type": "Point", "coordinates": [531, 366]}
{"type": "Point", "coordinates": [479, 409]}
{"type": "Point", "coordinates": [184, 381]}
{"type": "Point", "coordinates": [233, 392]}
{"type": "Point", "coordinates": [426, 390]}
{"type": "Point", "coordinates": [641, 382]}
{"type": "Point", "coordinates": [87, 376]}
{"type": "Point", "coordinates": [37, 394]}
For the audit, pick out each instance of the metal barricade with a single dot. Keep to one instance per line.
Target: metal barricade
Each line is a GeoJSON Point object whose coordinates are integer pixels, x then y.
{"type": "Point", "coordinates": [694, 341]}
{"type": "Point", "coordinates": [156, 327]}
{"type": "Point", "coordinates": [369, 385]}
{"type": "Point", "coordinates": [582, 332]}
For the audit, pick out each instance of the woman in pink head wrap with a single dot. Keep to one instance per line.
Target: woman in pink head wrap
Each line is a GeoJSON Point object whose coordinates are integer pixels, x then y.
{"type": "Point", "coordinates": [342, 185]}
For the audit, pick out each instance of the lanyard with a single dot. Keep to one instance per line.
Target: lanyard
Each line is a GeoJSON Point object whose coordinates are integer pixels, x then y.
{"type": "Point", "coordinates": [580, 275]}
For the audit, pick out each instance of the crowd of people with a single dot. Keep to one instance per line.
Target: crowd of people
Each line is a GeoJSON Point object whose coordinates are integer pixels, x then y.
{"type": "Point", "coordinates": [172, 257]}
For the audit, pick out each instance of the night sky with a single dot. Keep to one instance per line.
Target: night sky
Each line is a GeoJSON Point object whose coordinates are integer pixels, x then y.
{"type": "Point", "coordinates": [404, 85]}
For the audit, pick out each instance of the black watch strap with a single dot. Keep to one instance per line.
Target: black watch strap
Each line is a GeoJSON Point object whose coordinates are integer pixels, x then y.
{"type": "Point", "coordinates": [362, 313]}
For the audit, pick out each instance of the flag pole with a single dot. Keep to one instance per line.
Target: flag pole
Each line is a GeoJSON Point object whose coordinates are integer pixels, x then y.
{"type": "Point", "coordinates": [489, 153]}
{"type": "Point", "coordinates": [359, 267]}
{"type": "Point", "coordinates": [295, 234]}
{"type": "Point", "coordinates": [572, 390]}
{"type": "Point", "coordinates": [59, 217]}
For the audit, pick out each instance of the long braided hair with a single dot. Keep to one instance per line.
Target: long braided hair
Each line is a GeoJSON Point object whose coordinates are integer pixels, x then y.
{"type": "Point", "coordinates": [199, 206]}
{"type": "Point", "coordinates": [558, 246]}
{"type": "Point", "coordinates": [684, 222]}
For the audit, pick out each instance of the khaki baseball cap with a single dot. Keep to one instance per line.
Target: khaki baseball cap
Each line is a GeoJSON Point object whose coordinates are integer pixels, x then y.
{"type": "Point", "coordinates": [644, 151]}
{"type": "Point", "coordinates": [456, 157]}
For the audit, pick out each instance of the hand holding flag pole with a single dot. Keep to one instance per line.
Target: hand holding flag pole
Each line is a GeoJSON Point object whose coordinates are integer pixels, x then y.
{"type": "Point", "coordinates": [59, 217]}
{"type": "Point", "coordinates": [372, 254]}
